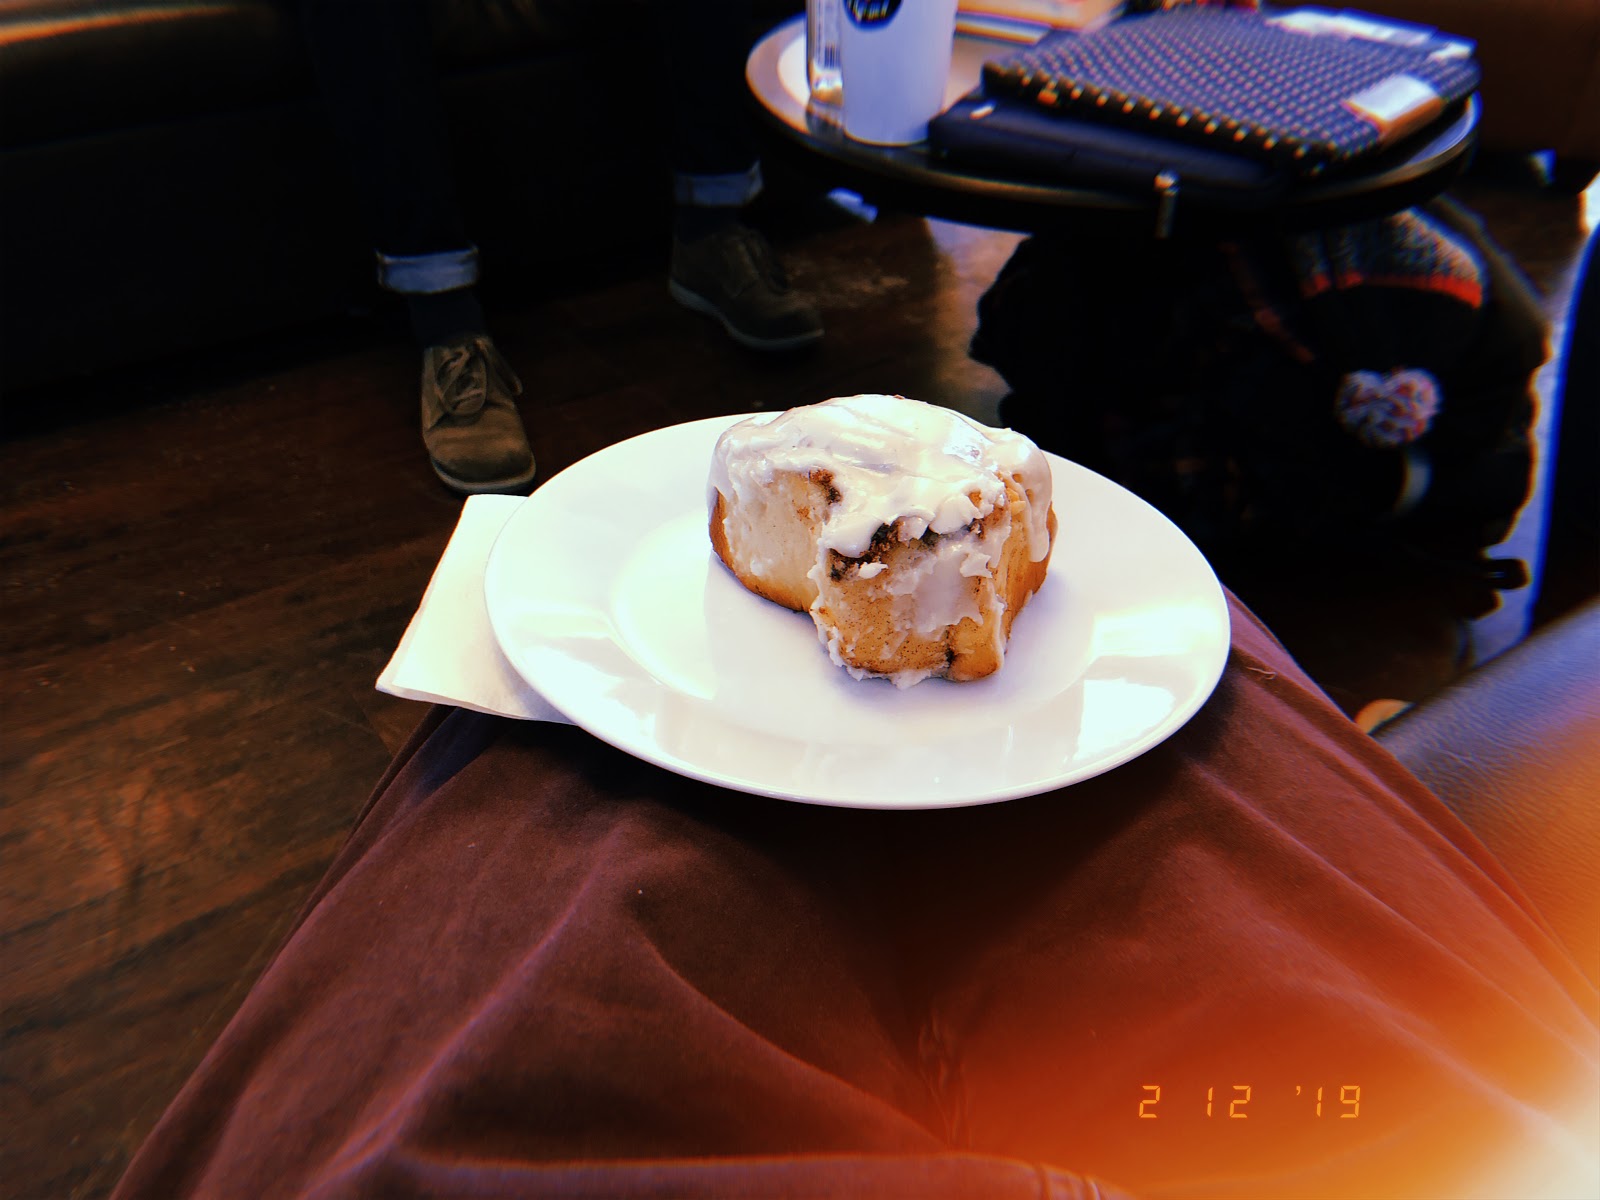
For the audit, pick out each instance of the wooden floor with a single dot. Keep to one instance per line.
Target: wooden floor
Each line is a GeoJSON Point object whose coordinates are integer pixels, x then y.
{"type": "Point", "coordinates": [206, 564]}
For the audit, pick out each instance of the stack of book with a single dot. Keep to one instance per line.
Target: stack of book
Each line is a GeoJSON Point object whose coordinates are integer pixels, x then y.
{"type": "Point", "coordinates": [1028, 21]}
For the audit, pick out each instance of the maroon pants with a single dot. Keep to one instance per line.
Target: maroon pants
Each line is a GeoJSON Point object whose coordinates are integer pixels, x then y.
{"type": "Point", "coordinates": [1260, 960]}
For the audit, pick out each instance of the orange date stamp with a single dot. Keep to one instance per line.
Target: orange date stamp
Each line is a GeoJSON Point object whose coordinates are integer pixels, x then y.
{"type": "Point", "coordinates": [1233, 1102]}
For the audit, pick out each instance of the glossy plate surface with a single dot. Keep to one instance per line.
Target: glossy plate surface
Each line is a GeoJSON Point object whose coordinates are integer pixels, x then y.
{"type": "Point", "coordinates": [604, 594]}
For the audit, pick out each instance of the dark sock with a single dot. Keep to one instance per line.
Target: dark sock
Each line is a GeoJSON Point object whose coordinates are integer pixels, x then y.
{"type": "Point", "coordinates": [691, 222]}
{"type": "Point", "coordinates": [439, 316]}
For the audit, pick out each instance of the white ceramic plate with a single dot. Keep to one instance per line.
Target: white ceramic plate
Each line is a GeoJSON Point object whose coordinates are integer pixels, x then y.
{"type": "Point", "coordinates": [604, 594]}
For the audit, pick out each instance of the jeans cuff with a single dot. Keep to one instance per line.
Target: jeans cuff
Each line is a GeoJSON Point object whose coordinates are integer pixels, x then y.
{"type": "Point", "coordinates": [717, 191]}
{"type": "Point", "coordinates": [428, 274]}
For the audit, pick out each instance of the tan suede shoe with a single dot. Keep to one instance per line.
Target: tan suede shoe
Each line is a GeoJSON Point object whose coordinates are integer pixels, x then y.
{"type": "Point", "coordinates": [470, 423]}
{"type": "Point", "coordinates": [735, 277]}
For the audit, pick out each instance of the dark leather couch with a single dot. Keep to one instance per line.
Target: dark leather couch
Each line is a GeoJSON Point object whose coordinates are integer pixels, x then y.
{"type": "Point", "coordinates": [167, 180]}
{"type": "Point", "coordinates": [1514, 750]}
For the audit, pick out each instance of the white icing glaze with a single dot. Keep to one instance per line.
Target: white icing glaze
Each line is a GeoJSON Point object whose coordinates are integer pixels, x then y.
{"type": "Point", "coordinates": [892, 459]}
{"type": "Point", "coordinates": [937, 589]}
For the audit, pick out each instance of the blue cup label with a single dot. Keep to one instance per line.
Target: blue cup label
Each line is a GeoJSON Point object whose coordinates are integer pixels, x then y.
{"type": "Point", "coordinates": [867, 13]}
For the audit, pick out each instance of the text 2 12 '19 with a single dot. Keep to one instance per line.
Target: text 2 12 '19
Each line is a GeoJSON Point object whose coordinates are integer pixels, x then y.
{"type": "Point", "coordinates": [1235, 1104]}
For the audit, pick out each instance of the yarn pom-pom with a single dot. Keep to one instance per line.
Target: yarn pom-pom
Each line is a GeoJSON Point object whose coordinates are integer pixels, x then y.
{"type": "Point", "coordinates": [1386, 411]}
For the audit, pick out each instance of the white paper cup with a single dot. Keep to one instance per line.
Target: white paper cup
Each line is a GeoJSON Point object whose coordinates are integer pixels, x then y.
{"type": "Point", "coordinates": [894, 57]}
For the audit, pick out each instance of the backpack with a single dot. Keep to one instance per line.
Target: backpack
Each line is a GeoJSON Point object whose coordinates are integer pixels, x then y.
{"type": "Point", "coordinates": [1360, 395]}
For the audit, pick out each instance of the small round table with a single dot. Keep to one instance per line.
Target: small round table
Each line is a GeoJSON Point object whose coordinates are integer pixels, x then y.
{"type": "Point", "coordinates": [916, 179]}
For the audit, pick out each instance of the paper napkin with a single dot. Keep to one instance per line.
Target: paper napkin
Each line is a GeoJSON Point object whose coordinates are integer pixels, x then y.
{"type": "Point", "coordinates": [448, 653]}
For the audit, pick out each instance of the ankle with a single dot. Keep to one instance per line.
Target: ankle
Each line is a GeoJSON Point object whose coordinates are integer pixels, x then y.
{"type": "Point", "coordinates": [439, 317]}
{"type": "Point", "coordinates": [691, 222]}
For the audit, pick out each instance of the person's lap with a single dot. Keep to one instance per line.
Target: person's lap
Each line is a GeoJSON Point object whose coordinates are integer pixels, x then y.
{"type": "Point", "coordinates": [539, 966]}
